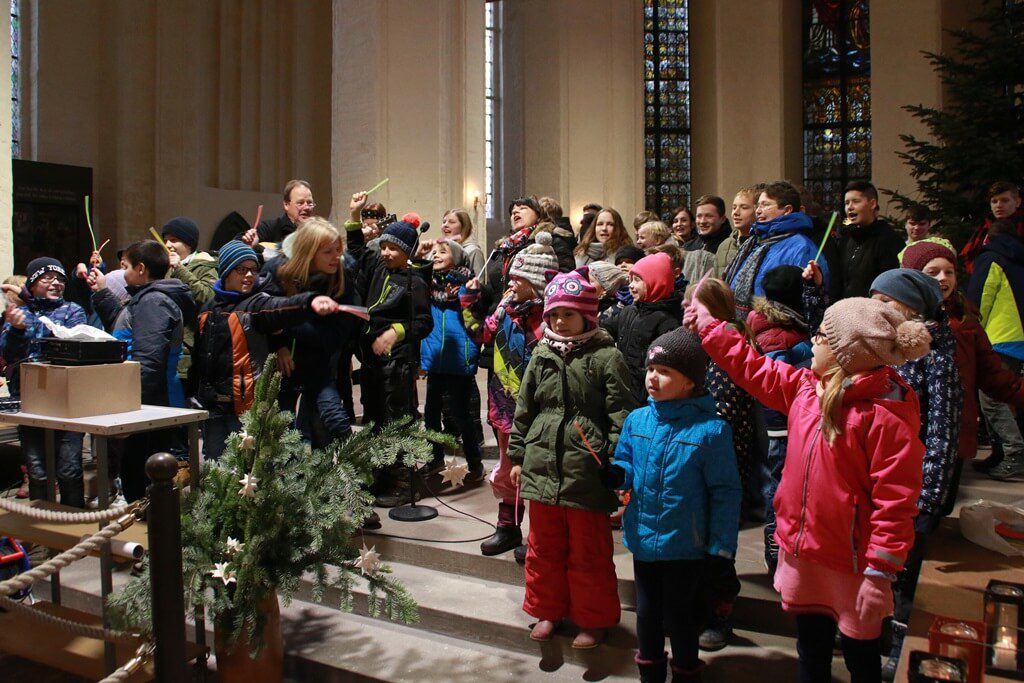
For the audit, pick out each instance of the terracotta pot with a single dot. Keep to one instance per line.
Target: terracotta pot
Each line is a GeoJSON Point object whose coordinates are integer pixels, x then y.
{"type": "Point", "coordinates": [234, 665]}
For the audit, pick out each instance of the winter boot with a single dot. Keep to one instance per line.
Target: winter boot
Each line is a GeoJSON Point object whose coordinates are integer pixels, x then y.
{"type": "Point", "coordinates": [72, 493]}
{"type": "Point", "coordinates": [520, 554]}
{"type": "Point", "coordinates": [652, 671]}
{"type": "Point", "coordinates": [1011, 467]}
{"type": "Point", "coordinates": [401, 491]}
{"type": "Point", "coordinates": [715, 636]}
{"type": "Point", "coordinates": [589, 638]}
{"type": "Point", "coordinates": [899, 633]}
{"type": "Point", "coordinates": [37, 489]}
{"type": "Point", "coordinates": [991, 461]}
{"type": "Point", "coordinates": [507, 535]}
{"type": "Point", "coordinates": [681, 675]}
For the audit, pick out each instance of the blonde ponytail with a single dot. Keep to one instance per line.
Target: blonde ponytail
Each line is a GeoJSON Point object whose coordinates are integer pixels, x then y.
{"type": "Point", "coordinates": [835, 384]}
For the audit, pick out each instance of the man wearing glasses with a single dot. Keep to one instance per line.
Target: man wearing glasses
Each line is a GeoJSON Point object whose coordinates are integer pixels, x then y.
{"type": "Point", "coordinates": [298, 206]}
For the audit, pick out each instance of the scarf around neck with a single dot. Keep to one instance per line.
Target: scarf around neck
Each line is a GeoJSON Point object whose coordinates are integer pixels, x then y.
{"type": "Point", "coordinates": [742, 273]}
{"type": "Point", "coordinates": [445, 284]}
{"type": "Point", "coordinates": [566, 345]}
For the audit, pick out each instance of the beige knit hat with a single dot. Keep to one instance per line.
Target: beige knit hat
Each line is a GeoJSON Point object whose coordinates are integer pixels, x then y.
{"type": "Point", "coordinates": [532, 261]}
{"type": "Point", "coordinates": [609, 276]}
{"type": "Point", "coordinates": [866, 334]}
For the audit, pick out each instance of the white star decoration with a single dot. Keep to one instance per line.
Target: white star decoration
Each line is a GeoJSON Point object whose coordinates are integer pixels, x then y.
{"type": "Point", "coordinates": [247, 442]}
{"type": "Point", "coordinates": [454, 473]}
{"type": "Point", "coordinates": [248, 483]}
{"type": "Point", "coordinates": [220, 571]}
{"type": "Point", "coordinates": [234, 547]}
{"type": "Point", "coordinates": [369, 560]}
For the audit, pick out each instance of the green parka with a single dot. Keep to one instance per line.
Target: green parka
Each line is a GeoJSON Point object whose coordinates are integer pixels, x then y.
{"type": "Point", "coordinates": [590, 388]}
{"type": "Point", "coordinates": [198, 275]}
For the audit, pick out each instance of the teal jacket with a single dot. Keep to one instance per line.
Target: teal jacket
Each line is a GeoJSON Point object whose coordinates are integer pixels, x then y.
{"type": "Point", "coordinates": [680, 464]}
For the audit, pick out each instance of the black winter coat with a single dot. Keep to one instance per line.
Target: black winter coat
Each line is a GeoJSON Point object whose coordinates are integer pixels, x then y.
{"type": "Point", "coordinates": [862, 255]}
{"type": "Point", "coordinates": [275, 229]}
{"type": "Point", "coordinates": [636, 327]}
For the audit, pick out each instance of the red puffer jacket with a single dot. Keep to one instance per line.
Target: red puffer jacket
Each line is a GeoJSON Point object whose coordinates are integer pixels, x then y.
{"type": "Point", "coordinates": [980, 368]}
{"type": "Point", "coordinates": [851, 504]}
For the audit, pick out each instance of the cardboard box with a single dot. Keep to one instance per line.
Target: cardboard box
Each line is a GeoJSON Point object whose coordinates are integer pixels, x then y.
{"type": "Point", "coordinates": [80, 390]}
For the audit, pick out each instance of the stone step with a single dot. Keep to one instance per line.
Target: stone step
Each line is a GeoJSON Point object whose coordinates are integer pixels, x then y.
{"type": "Point", "coordinates": [450, 543]}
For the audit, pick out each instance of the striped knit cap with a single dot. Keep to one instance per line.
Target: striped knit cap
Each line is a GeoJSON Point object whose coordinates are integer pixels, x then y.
{"type": "Point", "coordinates": [531, 263]}
{"type": "Point", "coordinates": [572, 290]}
{"type": "Point", "coordinates": [232, 254]}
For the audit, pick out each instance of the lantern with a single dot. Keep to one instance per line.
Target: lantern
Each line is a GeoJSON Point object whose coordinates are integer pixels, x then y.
{"type": "Point", "coordinates": [960, 639]}
{"type": "Point", "coordinates": [1004, 618]}
{"type": "Point", "coordinates": [926, 667]}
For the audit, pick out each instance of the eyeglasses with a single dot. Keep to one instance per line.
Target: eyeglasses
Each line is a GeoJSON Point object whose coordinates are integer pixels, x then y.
{"type": "Point", "coordinates": [245, 270]}
{"type": "Point", "coordinates": [819, 339]}
{"type": "Point", "coordinates": [305, 202]}
{"type": "Point", "coordinates": [48, 278]}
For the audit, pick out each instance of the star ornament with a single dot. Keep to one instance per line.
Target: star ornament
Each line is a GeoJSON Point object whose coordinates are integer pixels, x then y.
{"type": "Point", "coordinates": [234, 546]}
{"type": "Point", "coordinates": [248, 483]}
{"type": "Point", "coordinates": [453, 473]}
{"type": "Point", "coordinates": [369, 560]}
{"type": "Point", "coordinates": [220, 571]}
{"type": "Point", "coordinates": [247, 442]}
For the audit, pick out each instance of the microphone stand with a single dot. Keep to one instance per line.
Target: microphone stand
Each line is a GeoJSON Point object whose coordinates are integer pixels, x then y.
{"type": "Point", "coordinates": [411, 512]}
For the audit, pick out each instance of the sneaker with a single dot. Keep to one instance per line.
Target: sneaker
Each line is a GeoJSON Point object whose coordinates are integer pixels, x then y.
{"type": "Point", "coordinates": [715, 637]}
{"type": "Point", "coordinates": [1011, 467]}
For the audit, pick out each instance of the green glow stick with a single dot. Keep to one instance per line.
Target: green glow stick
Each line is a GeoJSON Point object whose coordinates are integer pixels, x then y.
{"type": "Point", "coordinates": [378, 186]}
{"type": "Point", "coordinates": [88, 223]}
{"type": "Point", "coordinates": [827, 233]}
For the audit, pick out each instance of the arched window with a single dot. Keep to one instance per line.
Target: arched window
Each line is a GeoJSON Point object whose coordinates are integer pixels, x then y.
{"type": "Point", "coordinates": [837, 97]}
{"type": "Point", "coordinates": [666, 103]}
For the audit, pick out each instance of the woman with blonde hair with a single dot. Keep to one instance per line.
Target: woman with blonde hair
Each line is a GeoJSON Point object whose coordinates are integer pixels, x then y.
{"type": "Point", "coordinates": [307, 354]}
{"type": "Point", "coordinates": [457, 225]}
{"type": "Point", "coordinates": [605, 236]}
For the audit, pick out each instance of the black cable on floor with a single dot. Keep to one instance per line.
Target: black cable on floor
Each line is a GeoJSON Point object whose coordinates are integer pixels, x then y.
{"type": "Point", "coordinates": [427, 540]}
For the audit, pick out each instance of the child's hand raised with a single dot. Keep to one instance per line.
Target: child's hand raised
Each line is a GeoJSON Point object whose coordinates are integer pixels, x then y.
{"type": "Point", "coordinates": [96, 280]}
{"type": "Point", "coordinates": [355, 206]}
{"type": "Point", "coordinates": [251, 236]}
{"type": "Point", "coordinates": [696, 315]}
{"type": "Point", "coordinates": [812, 273]}
{"type": "Point", "coordinates": [15, 316]}
{"type": "Point", "coordinates": [473, 284]}
{"type": "Point", "coordinates": [516, 475]}
{"type": "Point", "coordinates": [324, 305]}
{"type": "Point", "coordinates": [425, 248]}
{"type": "Point", "coordinates": [173, 258]}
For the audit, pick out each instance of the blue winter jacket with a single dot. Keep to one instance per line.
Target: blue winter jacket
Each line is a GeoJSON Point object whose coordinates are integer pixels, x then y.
{"type": "Point", "coordinates": [680, 464]}
{"type": "Point", "coordinates": [17, 345]}
{"type": "Point", "coordinates": [448, 348]}
{"type": "Point", "coordinates": [795, 250]}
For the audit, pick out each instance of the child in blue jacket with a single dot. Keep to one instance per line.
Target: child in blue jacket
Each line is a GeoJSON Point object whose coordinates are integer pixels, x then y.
{"type": "Point", "coordinates": [676, 455]}
{"type": "Point", "coordinates": [449, 356]}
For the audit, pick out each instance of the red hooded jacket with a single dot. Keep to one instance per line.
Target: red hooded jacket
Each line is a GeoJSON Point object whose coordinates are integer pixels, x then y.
{"type": "Point", "coordinates": [851, 504]}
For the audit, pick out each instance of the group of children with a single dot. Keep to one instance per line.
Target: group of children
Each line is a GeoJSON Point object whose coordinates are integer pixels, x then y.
{"type": "Point", "coordinates": [692, 401]}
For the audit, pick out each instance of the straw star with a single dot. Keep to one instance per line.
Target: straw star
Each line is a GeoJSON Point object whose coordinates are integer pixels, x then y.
{"type": "Point", "coordinates": [369, 560]}
{"type": "Point", "coordinates": [247, 442]}
{"type": "Point", "coordinates": [454, 473]}
{"type": "Point", "coordinates": [234, 547]}
{"type": "Point", "coordinates": [248, 483]}
{"type": "Point", "coordinates": [220, 571]}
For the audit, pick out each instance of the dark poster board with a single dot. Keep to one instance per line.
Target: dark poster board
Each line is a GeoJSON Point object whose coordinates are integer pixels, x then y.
{"type": "Point", "coordinates": [49, 213]}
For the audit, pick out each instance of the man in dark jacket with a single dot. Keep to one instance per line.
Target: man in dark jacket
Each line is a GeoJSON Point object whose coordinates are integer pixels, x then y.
{"type": "Point", "coordinates": [153, 323]}
{"type": "Point", "coordinates": [1004, 200]}
{"type": "Point", "coordinates": [712, 225]}
{"type": "Point", "coordinates": [868, 246]}
{"type": "Point", "coordinates": [298, 206]}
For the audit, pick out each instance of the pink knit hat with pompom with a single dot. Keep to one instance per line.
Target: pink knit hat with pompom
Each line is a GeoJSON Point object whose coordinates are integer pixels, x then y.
{"type": "Point", "coordinates": [866, 334]}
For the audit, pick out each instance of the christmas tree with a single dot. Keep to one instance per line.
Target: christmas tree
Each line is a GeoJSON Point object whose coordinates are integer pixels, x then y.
{"type": "Point", "coordinates": [977, 137]}
{"type": "Point", "coordinates": [271, 511]}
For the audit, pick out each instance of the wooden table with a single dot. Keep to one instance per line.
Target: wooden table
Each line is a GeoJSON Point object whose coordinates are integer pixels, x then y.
{"type": "Point", "coordinates": [101, 428]}
{"type": "Point", "coordinates": [954, 575]}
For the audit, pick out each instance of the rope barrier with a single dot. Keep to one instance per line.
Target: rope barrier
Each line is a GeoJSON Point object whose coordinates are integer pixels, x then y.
{"type": "Point", "coordinates": [55, 564]}
{"type": "Point", "coordinates": [62, 517]}
{"type": "Point", "coordinates": [74, 627]}
{"type": "Point", "coordinates": [144, 652]}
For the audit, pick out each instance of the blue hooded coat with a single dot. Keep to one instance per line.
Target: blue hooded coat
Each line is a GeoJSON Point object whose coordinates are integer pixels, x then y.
{"type": "Point", "coordinates": [795, 250]}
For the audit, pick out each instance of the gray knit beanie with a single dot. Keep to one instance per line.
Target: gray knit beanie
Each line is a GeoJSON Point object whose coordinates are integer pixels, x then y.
{"type": "Point", "coordinates": [610, 277]}
{"type": "Point", "coordinates": [865, 334]}
{"type": "Point", "coordinates": [532, 261]}
{"type": "Point", "coordinates": [680, 349]}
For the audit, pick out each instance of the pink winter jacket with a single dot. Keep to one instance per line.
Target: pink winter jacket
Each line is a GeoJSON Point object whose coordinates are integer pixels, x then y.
{"type": "Point", "coordinates": [850, 505]}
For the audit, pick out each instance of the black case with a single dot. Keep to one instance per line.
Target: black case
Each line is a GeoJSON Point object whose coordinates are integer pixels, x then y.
{"type": "Point", "coordinates": [79, 352]}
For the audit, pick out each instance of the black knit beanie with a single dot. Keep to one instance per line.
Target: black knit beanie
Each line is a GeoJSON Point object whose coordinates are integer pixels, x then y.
{"type": "Point", "coordinates": [184, 229]}
{"type": "Point", "coordinates": [680, 349]}
{"type": "Point", "coordinates": [40, 267]}
{"type": "Point", "coordinates": [785, 285]}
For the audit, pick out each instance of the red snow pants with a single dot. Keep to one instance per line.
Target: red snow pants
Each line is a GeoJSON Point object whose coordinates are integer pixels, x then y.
{"type": "Point", "coordinates": [569, 567]}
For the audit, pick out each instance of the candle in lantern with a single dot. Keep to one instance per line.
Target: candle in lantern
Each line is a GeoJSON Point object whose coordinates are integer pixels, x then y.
{"type": "Point", "coordinates": [939, 670]}
{"type": "Point", "coordinates": [1004, 652]}
{"type": "Point", "coordinates": [958, 630]}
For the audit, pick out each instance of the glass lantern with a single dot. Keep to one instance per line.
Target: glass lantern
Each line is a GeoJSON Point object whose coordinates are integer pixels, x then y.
{"type": "Point", "coordinates": [960, 639]}
{"type": "Point", "coordinates": [926, 667]}
{"type": "Point", "coordinates": [1004, 619]}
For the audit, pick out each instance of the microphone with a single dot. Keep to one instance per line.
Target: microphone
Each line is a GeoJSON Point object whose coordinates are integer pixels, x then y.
{"type": "Point", "coordinates": [424, 226]}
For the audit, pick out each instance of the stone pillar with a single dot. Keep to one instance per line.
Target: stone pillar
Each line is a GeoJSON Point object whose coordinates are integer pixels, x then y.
{"type": "Point", "coordinates": [746, 85]}
{"type": "Point", "coordinates": [6, 179]}
{"type": "Point", "coordinates": [407, 104]}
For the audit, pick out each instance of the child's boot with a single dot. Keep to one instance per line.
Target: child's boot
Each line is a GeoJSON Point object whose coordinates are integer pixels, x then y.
{"type": "Point", "coordinates": [589, 638]}
{"type": "Point", "coordinates": [652, 671]}
{"type": "Point", "coordinates": [686, 675]}
{"type": "Point", "coordinates": [507, 535]}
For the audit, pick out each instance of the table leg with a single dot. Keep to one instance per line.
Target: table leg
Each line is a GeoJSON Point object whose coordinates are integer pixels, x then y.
{"type": "Point", "coordinates": [50, 451]}
{"type": "Point", "coordinates": [100, 455]}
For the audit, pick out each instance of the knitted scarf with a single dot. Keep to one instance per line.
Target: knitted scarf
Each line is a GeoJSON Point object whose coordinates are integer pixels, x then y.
{"type": "Point", "coordinates": [742, 272]}
{"type": "Point", "coordinates": [566, 345]}
{"type": "Point", "coordinates": [445, 285]}
{"type": "Point", "coordinates": [516, 241]}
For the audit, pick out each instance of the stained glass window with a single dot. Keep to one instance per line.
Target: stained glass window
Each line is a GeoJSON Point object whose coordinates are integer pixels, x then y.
{"type": "Point", "coordinates": [836, 98]}
{"type": "Point", "coordinates": [15, 80]}
{"type": "Point", "coordinates": [666, 103]}
{"type": "Point", "coordinates": [490, 102]}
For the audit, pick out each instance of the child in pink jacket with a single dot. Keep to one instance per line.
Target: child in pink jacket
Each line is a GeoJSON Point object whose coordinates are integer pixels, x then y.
{"type": "Point", "coordinates": [846, 504]}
